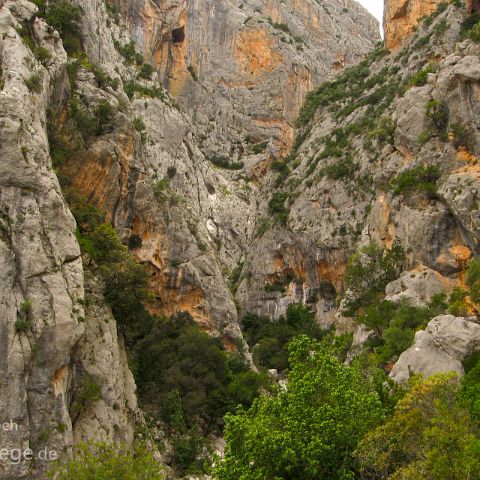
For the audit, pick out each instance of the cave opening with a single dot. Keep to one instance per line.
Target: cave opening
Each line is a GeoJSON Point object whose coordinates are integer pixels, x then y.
{"type": "Point", "coordinates": [178, 35]}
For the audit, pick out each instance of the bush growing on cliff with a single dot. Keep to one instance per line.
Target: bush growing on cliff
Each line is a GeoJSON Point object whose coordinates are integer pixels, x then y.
{"type": "Point", "coordinates": [277, 208]}
{"type": "Point", "coordinates": [421, 179]}
{"type": "Point", "coordinates": [65, 18]}
{"type": "Point", "coordinates": [368, 273]}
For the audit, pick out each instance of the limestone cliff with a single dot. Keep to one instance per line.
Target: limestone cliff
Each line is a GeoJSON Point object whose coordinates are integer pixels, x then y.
{"type": "Point", "coordinates": [45, 330]}
{"type": "Point", "coordinates": [401, 17]}
{"type": "Point", "coordinates": [241, 69]}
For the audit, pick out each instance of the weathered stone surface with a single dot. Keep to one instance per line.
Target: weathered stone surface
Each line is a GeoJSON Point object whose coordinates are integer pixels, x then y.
{"type": "Point", "coordinates": [417, 286]}
{"type": "Point", "coordinates": [252, 62]}
{"type": "Point", "coordinates": [41, 272]}
{"type": "Point", "coordinates": [442, 347]}
{"type": "Point", "coordinates": [402, 16]}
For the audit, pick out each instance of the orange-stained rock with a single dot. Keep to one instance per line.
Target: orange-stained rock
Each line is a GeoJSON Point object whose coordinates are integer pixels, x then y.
{"type": "Point", "coordinates": [401, 17]}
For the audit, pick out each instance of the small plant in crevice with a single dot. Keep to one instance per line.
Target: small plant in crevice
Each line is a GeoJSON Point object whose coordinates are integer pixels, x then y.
{"type": "Point", "coordinates": [192, 72]}
{"type": "Point", "coordinates": [34, 83]}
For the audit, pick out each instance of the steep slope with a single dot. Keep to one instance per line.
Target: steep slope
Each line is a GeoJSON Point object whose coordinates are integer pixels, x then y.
{"type": "Point", "coordinates": [213, 224]}
{"type": "Point", "coordinates": [402, 16]}
{"type": "Point", "coordinates": [394, 118]}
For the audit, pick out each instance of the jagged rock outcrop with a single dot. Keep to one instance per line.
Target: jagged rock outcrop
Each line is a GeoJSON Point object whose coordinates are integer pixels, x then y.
{"type": "Point", "coordinates": [194, 242]}
{"type": "Point", "coordinates": [441, 347]}
{"type": "Point", "coordinates": [339, 194]}
{"type": "Point", "coordinates": [402, 16]}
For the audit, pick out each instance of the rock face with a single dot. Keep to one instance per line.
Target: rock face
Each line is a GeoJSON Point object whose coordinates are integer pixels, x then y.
{"type": "Point", "coordinates": [401, 17]}
{"type": "Point", "coordinates": [338, 193]}
{"type": "Point", "coordinates": [242, 69]}
{"type": "Point", "coordinates": [42, 328]}
{"type": "Point", "coordinates": [441, 347]}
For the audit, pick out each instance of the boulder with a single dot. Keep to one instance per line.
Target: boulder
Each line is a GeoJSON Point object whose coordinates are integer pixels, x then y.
{"type": "Point", "coordinates": [441, 347]}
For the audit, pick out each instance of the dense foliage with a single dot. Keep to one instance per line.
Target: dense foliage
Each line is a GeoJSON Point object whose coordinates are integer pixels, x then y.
{"type": "Point", "coordinates": [178, 364]}
{"type": "Point", "coordinates": [430, 436]}
{"type": "Point", "coordinates": [268, 340]}
{"type": "Point", "coordinates": [307, 431]}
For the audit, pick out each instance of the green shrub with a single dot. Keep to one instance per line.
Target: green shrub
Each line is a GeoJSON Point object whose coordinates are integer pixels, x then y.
{"type": "Point", "coordinates": [259, 147]}
{"type": "Point", "coordinates": [88, 392]}
{"type": "Point", "coordinates": [437, 113]}
{"type": "Point", "coordinates": [463, 136]}
{"type": "Point", "coordinates": [105, 117]}
{"type": "Point", "coordinates": [138, 124]}
{"type": "Point", "coordinates": [146, 71]}
{"type": "Point", "coordinates": [131, 88]}
{"type": "Point", "coordinates": [343, 169]}
{"type": "Point", "coordinates": [192, 72]}
{"type": "Point", "coordinates": [160, 189]}
{"type": "Point", "coordinates": [42, 54]}
{"type": "Point", "coordinates": [127, 51]}
{"type": "Point", "coordinates": [34, 83]}
{"type": "Point", "coordinates": [431, 435]}
{"type": "Point", "coordinates": [65, 18]}
{"type": "Point", "coordinates": [277, 208]}
{"type": "Point", "coordinates": [86, 123]}
{"type": "Point", "coordinates": [421, 179]}
{"type": "Point", "coordinates": [226, 163]}
{"type": "Point", "coordinates": [22, 325]}
{"type": "Point", "coordinates": [420, 78]}
{"type": "Point", "coordinates": [103, 461]}
{"type": "Point", "coordinates": [26, 306]}
{"type": "Point", "coordinates": [468, 25]}
{"type": "Point", "coordinates": [103, 79]}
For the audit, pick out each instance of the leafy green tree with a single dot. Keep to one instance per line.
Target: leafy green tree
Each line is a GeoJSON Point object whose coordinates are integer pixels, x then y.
{"type": "Point", "coordinates": [107, 462]}
{"type": "Point", "coordinates": [309, 430]}
{"type": "Point", "coordinates": [431, 436]}
{"type": "Point", "coordinates": [470, 391]}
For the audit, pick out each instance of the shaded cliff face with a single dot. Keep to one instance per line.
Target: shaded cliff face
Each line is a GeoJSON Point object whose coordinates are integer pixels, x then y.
{"type": "Point", "coordinates": [252, 75]}
{"type": "Point", "coordinates": [242, 69]}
